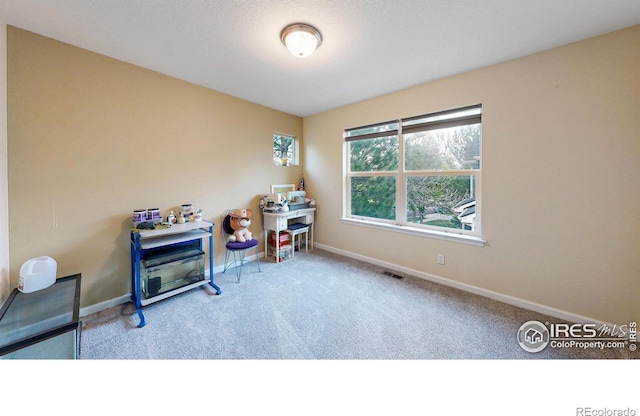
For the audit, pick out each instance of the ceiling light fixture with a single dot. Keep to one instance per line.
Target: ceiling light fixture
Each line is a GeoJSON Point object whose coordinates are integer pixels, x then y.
{"type": "Point", "coordinates": [301, 39]}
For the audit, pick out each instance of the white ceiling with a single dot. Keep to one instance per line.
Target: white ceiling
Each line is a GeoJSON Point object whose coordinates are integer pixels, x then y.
{"type": "Point", "coordinates": [369, 48]}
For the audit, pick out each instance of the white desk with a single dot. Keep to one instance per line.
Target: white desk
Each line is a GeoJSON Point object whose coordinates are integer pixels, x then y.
{"type": "Point", "coordinates": [279, 221]}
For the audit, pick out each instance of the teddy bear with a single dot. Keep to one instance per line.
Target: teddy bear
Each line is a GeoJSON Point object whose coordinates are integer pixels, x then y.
{"type": "Point", "coordinates": [240, 222]}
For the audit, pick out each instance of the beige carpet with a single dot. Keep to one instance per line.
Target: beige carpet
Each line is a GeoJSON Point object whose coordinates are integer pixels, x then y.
{"type": "Point", "coordinates": [320, 306]}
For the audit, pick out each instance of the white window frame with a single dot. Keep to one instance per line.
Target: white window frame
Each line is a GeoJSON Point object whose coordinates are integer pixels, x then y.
{"type": "Point", "coordinates": [295, 151]}
{"type": "Point", "coordinates": [400, 223]}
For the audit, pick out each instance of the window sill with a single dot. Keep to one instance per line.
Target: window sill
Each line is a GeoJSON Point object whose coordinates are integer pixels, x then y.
{"type": "Point", "coordinates": [440, 235]}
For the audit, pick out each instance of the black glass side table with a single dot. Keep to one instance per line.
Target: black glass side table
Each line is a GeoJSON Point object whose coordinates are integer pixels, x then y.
{"type": "Point", "coordinates": [43, 324]}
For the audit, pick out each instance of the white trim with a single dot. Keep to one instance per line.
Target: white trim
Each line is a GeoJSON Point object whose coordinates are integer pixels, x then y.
{"type": "Point", "coordinates": [98, 307]}
{"type": "Point", "coordinates": [420, 232]}
{"type": "Point", "coordinates": [510, 300]}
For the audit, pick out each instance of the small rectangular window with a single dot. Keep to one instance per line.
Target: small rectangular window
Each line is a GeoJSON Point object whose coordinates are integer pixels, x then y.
{"type": "Point", "coordinates": [285, 150]}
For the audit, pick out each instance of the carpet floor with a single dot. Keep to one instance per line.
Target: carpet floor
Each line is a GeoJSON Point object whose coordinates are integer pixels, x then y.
{"type": "Point", "coordinates": [320, 306]}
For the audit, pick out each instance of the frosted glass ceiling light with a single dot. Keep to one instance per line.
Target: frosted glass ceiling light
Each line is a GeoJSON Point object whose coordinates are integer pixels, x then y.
{"type": "Point", "coordinates": [301, 39]}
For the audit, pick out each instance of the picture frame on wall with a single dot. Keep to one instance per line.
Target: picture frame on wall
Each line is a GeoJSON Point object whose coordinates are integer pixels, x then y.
{"type": "Point", "coordinates": [282, 189]}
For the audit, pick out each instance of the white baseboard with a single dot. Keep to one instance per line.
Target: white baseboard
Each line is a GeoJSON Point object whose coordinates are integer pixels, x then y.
{"type": "Point", "coordinates": [104, 305]}
{"type": "Point", "coordinates": [510, 300]}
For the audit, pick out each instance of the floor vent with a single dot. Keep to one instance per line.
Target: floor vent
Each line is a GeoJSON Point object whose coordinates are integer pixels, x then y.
{"type": "Point", "coordinates": [392, 274]}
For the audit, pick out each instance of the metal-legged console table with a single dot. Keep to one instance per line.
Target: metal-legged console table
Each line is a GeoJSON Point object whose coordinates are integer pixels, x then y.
{"type": "Point", "coordinates": [148, 244]}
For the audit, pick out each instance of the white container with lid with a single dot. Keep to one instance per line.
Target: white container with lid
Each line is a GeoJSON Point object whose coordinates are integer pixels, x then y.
{"type": "Point", "coordinates": [37, 273]}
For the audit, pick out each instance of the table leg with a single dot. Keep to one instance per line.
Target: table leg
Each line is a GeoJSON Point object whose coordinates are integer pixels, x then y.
{"type": "Point", "coordinates": [218, 290]}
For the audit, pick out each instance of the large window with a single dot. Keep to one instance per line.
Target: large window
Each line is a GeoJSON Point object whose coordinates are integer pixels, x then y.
{"type": "Point", "coordinates": [422, 172]}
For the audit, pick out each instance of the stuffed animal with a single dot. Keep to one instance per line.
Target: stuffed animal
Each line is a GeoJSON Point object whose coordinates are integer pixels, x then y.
{"type": "Point", "coordinates": [240, 222]}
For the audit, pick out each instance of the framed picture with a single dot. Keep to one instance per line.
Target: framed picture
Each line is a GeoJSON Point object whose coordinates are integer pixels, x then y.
{"type": "Point", "coordinates": [282, 189]}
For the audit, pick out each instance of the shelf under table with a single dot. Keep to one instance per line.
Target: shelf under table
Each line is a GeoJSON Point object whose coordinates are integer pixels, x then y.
{"type": "Point", "coordinates": [163, 240]}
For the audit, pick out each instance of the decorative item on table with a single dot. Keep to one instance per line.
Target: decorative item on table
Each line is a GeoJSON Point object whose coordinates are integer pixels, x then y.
{"type": "Point", "coordinates": [139, 215]}
{"type": "Point", "coordinates": [280, 196]}
{"type": "Point", "coordinates": [273, 202]}
{"type": "Point", "coordinates": [181, 219]}
{"type": "Point", "coordinates": [301, 187]}
{"type": "Point", "coordinates": [171, 219]}
{"type": "Point", "coordinates": [146, 225]}
{"type": "Point", "coordinates": [270, 205]}
{"type": "Point", "coordinates": [187, 211]}
{"type": "Point", "coordinates": [151, 215]}
{"type": "Point", "coordinates": [198, 215]}
{"type": "Point", "coordinates": [298, 200]}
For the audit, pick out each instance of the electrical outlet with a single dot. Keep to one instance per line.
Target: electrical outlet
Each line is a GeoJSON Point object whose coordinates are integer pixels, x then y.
{"type": "Point", "coordinates": [440, 258]}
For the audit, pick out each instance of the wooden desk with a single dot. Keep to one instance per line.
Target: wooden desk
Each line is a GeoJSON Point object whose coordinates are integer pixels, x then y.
{"type": "Point", "coordinates": [279, 221]}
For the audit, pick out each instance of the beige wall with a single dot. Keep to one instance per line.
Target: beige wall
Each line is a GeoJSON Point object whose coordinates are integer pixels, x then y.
{"type": "Point", "coordinates": [91, 138]}
{"type": "Point", "coordinates": [560, 186]}
{"type": "Point", "coordinates": [4, 193]}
